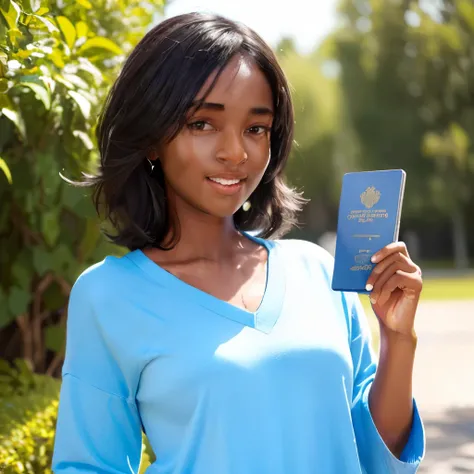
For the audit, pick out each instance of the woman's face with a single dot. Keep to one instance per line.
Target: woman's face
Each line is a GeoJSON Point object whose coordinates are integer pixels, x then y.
{"type": "Point", "coordinates": [219, 157]}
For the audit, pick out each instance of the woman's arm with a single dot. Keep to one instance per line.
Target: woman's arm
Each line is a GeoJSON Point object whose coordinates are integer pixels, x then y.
{"type": "Point", "coordinates": [375, 454]}
{"type": "Point", "coordinates": [98, 428]}
{"type": "Point", "coordinates": [391, 399]}
{"type": "Point", "coordinates": [395, 285]}
{"type": "Point", "coordinates": [96, 431]}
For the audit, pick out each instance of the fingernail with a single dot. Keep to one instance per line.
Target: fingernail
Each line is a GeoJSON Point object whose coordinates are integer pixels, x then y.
{"type": "Point", "coordinates": [369, 287]}
{"type": "Point", "coordinates": [374, 258]}
{"type": "Point", "coordinates": [373, 300]}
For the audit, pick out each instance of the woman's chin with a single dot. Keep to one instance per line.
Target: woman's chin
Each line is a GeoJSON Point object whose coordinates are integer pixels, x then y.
{"type": "Point", "coordinates": [222, 212]}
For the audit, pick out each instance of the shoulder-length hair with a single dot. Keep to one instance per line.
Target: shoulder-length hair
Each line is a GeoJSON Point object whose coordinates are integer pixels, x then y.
{"type": "Point", "coordinates": [148, 105]}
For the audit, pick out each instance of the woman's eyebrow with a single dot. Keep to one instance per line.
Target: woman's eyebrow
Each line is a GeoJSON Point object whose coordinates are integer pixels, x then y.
{"type": "Point", "coordinates": [215, 106]}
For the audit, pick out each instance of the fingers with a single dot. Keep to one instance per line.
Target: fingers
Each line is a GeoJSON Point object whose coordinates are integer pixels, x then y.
{"type": "Point", "coordinates": [394, 247]}
{"type": "Point", "coordinates": [394, 264]}
{"type": "Point", "coordinates": [379, 280]}
{"type": "Point", "coordinates": [409, 282]}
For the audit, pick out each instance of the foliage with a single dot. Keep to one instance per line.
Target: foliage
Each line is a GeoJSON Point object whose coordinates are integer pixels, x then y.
{"type": "Point", "coordinates": [312, 166]}
{"type": "Point", "coordinates": [57, 60]}
{"type": "Point", "coordinates": [407, 76]}
{"type": "Point", "coordinates": [416, 70]}
{"type": "Point", "coordinates": [28, 420]}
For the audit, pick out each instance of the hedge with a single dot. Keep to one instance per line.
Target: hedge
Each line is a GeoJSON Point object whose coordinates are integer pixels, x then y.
{"type": "Point", "coordinates": [28, 419]}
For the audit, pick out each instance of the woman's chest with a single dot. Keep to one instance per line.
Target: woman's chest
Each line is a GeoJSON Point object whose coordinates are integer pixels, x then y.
{"type": "Point", "coordinates": [204, 354]}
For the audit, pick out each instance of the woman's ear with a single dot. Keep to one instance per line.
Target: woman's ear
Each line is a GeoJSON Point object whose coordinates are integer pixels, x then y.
{"type": "Point", "coordinates": [152, 154]}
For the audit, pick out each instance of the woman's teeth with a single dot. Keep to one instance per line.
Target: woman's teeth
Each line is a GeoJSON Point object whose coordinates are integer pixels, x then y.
{"type": "Point", "coordinates": [225, 182]}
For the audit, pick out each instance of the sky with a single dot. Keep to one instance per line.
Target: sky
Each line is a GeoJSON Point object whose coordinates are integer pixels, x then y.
{"type": "Point", "coordinates": [307, 21]}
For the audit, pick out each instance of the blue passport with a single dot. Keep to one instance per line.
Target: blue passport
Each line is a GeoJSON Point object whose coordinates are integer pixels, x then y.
{"type": "Point", "coordinates": [369, 219]}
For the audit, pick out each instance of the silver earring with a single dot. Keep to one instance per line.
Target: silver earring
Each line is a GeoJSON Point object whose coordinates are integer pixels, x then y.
{"type": "Point", "coordinates": [246, 206]}
{"type": "Point", "coordinates": [151, 165]}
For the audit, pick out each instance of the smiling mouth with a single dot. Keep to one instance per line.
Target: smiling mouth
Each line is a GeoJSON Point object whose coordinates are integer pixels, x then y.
{"type": "Point", "coordinates": [226, 186]}
{"type": "Point", "coordinates": [225, 182]}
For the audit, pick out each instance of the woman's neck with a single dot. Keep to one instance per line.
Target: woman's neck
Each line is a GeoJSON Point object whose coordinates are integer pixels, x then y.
{"type": "Point", "coordinates": [201, 235]}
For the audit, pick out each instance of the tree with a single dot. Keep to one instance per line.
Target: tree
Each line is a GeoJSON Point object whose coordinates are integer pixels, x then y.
{"type": "Point", "coordinates": [57, 60]}
{"type": "Point", "coordinates": [312, 166]}
{"type": "Point", "coordinates": [407, 77]}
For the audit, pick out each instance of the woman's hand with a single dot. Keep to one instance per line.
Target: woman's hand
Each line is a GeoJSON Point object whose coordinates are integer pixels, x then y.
{"type": "Point", "coordinates": [395, 284]}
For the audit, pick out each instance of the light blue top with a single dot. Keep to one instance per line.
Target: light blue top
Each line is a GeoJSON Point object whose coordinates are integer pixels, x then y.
{"type": "Point", "coordinates": [217, 389]}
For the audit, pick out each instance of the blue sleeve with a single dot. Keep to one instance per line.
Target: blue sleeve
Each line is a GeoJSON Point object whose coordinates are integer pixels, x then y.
{"type": "Point", "coordinates": [374, 455]}
{"type": "Point", "coordinates": [98, 428]}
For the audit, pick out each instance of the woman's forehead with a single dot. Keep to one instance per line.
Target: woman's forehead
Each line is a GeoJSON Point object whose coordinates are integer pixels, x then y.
{"type": "Point", "coordinates": [240, 79]}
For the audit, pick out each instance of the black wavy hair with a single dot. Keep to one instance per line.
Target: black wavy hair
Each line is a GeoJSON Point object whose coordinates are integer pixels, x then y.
{"type": "Point", "coordinates": [148, 104]}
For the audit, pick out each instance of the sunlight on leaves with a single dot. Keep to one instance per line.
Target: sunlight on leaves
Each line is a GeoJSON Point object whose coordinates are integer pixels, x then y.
{"type": "Point", "coordinates": [6, 170]}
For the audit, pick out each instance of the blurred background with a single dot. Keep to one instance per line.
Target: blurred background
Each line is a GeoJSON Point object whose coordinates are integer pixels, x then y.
{"type": "Point", "coordinates": [377, 84]}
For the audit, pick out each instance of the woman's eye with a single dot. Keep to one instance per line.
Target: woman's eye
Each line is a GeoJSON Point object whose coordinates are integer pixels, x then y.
{"type": "Point", "coordinates": [200, 125]}
{"type": "Point", "coordinates": [258, 130]}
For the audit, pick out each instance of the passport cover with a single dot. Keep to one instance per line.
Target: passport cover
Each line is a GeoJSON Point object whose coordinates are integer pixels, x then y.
{"type": "Point", "coordinates": [369, 219]}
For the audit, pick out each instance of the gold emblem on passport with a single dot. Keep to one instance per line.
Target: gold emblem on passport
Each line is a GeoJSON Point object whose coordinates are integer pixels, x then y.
{"type": "Point", "coordinates": [370, 197]}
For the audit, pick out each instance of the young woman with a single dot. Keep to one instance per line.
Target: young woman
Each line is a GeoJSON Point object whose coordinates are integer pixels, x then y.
{"type": "Point", "coordinates": [230, 351]}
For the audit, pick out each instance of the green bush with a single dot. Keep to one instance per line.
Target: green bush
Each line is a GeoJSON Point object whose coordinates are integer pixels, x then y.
{"type": "Point", "coordinates": [28, 419]}
{"type": "Point", "coordinates": [57, 61]}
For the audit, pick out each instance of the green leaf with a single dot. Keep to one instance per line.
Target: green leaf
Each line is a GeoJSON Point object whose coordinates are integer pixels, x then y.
{"type": "Point", "coordinates": [461, 143]}
{"type": "Point", "coordinates": [58, 58]}
{"type": "Point", "coordinates": [64, 82]}
{"type": "Point", "coordinates": [77, 81]}
{"type": "Point", "coordinates": [50, 26]}
{"type": "Point", "coordinates": [15, 34]}
{"type": "Point", "coordinates": [30, 6]}
{"type": "Point", "coordinates": [84, 138]}
{"type": "Point", "coordinates": [16, 119]}
{"type": "Point", "coordinates": [53, 298]}
{"type": "Point", "coordinates": [85, 3]}
{"type": "Point", "coordinates": [452, 36]}
{"type": "Point", "coordinates": [466, 9]}
{"type": "Point", "coordinates": [5, 367]}
{"type": "Point", "coordinates": [99, 42]}
{"type": "Point", "coordinates": [94, 71]}
{"type": "Point", "coordinates": [42, 93]}
{"type": "Point", "coordinates": [81, 29]}
{"type": "Point", "coordinates": [55, 337]}
{"type": "Point", "coordinates": [3, 86]}
{"type": "Point", "coordinates": [71, 196]}
{"type": "Point", "coordinates": [11, 15]}
{"type": "Point", "coordinates": [41, 261]}
{"type": "Point", "coordinates": [50, 227]}
{"type": "Point", "coordinates": [89, 239]}
{"type": "Point", "coordinates": [82, 102]}
{"type": "Point", "coordinates": [6, 170]}
{"type": "Point", "coordinates": [62, 258]}
{"type": "Point", "coordinates": [24, 368]}
{"type": "Point", "coordinates": [35, 5]}
{"type": "Point", "coordinates": [21, 274]}
{"type": "Point", "coordinates": [42, 11]}
{"type": "Point", "coordinates": [67, 29]}
{"type": "Point", "coordinates": [18, 300]}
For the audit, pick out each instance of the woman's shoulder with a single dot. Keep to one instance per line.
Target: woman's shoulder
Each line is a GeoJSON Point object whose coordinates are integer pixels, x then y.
{"type": "Point", "coordinates": [104, 276]}
{"type": "Point", "coordinates": [306, 250]}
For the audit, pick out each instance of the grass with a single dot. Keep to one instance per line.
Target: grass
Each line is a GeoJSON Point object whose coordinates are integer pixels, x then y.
{"type": "Point", "coordinates": [458, 288]}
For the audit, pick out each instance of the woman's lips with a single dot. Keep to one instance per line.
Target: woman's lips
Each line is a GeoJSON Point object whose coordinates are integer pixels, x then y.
{"type": "Point", "coordinates": [227, 189]}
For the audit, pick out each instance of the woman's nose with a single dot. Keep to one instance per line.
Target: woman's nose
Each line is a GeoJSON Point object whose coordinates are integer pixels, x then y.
{"type": "Point", "coordinates": [231, 149]}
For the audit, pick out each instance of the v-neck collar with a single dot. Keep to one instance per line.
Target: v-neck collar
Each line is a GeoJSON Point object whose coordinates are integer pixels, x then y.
{"type": "Point", "coordinates": [263, 319]}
